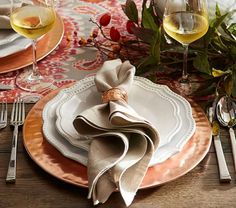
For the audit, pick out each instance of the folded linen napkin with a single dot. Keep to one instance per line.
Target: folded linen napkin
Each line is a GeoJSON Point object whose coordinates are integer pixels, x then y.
{"type": "Point", "coordinates": [122, 141]}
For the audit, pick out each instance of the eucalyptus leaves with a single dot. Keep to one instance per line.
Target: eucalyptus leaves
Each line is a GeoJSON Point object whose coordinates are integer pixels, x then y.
{"type": "Point", "coordinates": [214, 55]}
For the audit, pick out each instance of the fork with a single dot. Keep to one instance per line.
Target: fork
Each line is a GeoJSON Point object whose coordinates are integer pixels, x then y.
{"type": "Point", "coordinates": [17, 119]}
{"type": "Point", "coordinates": [3, 115]}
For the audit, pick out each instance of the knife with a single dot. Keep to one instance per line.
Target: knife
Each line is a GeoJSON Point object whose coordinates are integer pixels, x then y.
{"type": "Point", "coordinates": [223, 169]}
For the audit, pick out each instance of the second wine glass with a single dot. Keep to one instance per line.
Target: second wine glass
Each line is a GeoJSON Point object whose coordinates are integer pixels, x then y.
{"type": "Point", "coordinates": [32, 19]}
{"type": "Point", "coordinates": [185, 21]}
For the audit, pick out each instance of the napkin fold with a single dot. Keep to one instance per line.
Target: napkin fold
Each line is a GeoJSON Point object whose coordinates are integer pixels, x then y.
{"type": "Point", "coordinates": [122, 143]}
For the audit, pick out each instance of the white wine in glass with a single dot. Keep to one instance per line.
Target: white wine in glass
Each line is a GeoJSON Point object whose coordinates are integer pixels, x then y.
{"type": "Point", "coordinates": [185, 21]}
{"type": "Point", "coordinates": [32, 21]}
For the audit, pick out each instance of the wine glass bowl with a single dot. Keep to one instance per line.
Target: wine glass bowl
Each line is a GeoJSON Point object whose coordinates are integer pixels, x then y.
{"type": "Point", "coordinates": [32, 20]}
{"type": "Point", "coordinates": [185, 21]}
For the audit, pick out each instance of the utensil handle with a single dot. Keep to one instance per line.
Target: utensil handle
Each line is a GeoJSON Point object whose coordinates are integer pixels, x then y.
{"type": "Point", "coordinates": [11, 173]}
{"type": "Point", "coordinates": [233, 145]}
{"type": "Point", "coordinates": [223, 169]}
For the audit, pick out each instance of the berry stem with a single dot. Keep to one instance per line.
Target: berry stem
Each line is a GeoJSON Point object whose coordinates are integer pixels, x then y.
{"type": "Point", "coordinates": [100, 28]}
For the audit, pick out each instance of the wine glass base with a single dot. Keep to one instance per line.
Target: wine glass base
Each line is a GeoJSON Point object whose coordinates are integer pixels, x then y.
{"type": "Point", "coordinates": [28, 82]}
{"type": "Point", "coordinates": [186, 88]}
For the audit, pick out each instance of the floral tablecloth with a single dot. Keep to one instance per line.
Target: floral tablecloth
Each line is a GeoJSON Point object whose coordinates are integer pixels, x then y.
{"type": "Point", "coordinates": [70, 62]}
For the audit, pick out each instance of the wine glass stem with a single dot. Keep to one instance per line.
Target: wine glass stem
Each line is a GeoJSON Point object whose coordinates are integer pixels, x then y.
{"type": "Point", "coordinates": [35, 74]}
{"type": "Point", "coordinates": [185, 72]}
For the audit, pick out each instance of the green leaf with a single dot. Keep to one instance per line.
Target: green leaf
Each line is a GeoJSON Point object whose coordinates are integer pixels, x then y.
{"type": "Point", "coordinates": [144, 34]}
{"type": "Point", "coordinates": [131, 11]}
{"type": "Point", "coordinates": [229, 33]}
{"type": "Point", "coordinates": [201, 63]}
{"type": "Point", "coordinates": [233, 52]}
{"type": "Point", "coordinates": [155, 46]}
{"type": "Point", "coordinates": [214, 24]}
{"type": "Point", "coordinates": [219, 73]}
{"type": "Point", "coordinates": [148, 20]}
{"type": "Point", "coordinates": [228, 84]}
{"type": "Point", "coordinates": [217, 12]}
{"type": "Point", "coordinates": [145, 64]}
{"type": "Point", "coordinates": [234, 81]}
{"type": "Point", "coordinates": [232, 28]}
{"type": "Point", "coordinates": [205, 89]}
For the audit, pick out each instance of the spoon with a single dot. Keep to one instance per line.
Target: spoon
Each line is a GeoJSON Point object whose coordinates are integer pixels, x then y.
{"type": "Point", "coordinates": [225, 112]}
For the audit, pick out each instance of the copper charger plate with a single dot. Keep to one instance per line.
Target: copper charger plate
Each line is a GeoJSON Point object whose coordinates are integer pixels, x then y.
{"type": "Point", "coordinates": [44, 46]}
{"type": "Point", "coordinates": [53, 162]}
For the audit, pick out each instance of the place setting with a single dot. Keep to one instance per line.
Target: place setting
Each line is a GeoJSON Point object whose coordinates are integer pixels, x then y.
{"type": "Point", "coordinates": [149, 110]}
{"type": "Point", "coordinates": [52, 139]}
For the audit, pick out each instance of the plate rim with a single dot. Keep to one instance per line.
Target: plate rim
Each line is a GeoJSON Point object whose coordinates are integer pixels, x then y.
{"type": "Point", "coordinates": [13, 36]}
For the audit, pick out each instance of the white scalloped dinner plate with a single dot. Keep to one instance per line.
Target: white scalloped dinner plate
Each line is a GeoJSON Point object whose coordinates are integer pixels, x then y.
{"type": "Point", "coordinates": [169, 112]}
{"type": "Point", "coordinates": [72, 101]}
{"type": "Point", "coordinates": [10, 41]}
{"type": "Point", "coordinates": [78, 99]}
{"type": "Point", "coordinates": [7, 36]}
{"type": "Point", "coordinates": [17, 45]}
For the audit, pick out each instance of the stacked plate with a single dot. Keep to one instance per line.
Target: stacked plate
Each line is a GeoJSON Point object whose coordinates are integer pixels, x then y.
{"type": "Point", "coordinates": [11, 42]}
{"type": "Point", "coordinates": [170, 113]}
{"type": "Point", "coordinates": [15, 50]}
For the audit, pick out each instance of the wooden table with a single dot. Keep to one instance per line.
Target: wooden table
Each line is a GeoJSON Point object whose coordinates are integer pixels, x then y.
{"type": "Point", "coordinates": [35, 188]}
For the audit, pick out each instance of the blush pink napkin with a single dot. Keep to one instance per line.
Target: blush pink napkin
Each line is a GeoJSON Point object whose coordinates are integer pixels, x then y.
{"type": "Point", "coordinates": [123, 142]}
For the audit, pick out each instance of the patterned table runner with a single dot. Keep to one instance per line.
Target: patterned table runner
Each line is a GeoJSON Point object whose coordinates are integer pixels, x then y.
{"type": "Point", "coordinates": [69, 62]}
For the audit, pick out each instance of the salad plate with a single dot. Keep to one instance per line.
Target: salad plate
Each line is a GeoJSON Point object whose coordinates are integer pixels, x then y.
{"type": "Point", "coordinates": [161, 106]}
{"type": "Point", "coordinates": [78, 100]}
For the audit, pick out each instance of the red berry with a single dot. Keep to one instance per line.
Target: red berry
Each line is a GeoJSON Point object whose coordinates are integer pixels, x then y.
{"type": "Point", "coordinates": [89, 40]}
{"type": "Point", "coordinates": [95, 34]}
{"type": "Point", "coordinates": [81, 42]}
{"type": "Point", "coordinates": [129, 26]}
{"type": "Point", "coordinates": [105, 19]}
{"type": "Point", "coordinates": [114, 34]}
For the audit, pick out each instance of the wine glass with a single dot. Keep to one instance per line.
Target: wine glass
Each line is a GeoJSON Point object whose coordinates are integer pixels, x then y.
{"type": "Point", "coordinates": [185, 21]}
{"type": "Point", "coordinates": [32, 19]}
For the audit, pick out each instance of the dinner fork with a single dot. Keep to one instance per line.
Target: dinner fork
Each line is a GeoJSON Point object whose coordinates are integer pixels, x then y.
{"type": "Point", "coordinates": [17, 119]}
{"type": "Point", "coordinates": [3, 115]}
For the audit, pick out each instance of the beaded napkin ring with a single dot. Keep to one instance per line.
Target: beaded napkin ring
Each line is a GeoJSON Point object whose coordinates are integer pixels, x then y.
{"type": "Point", "coordinates": [114, 94]}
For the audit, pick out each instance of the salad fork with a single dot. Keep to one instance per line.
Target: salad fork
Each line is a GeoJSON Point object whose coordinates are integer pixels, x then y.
{"type": "Point", "coordinates": [17, 119]}
{"type": "Point", "coordinates": [3, 115]}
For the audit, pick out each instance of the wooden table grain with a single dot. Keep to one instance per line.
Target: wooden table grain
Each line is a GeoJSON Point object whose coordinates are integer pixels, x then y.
{"type": "Point", "coordinates": [34, 188]}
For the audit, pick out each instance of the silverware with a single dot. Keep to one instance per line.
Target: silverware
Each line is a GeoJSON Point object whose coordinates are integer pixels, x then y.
{"type": "Point", "coordinates": [3, 115]}
{"type": "Point", "coordinates": [226, 115]}
{"type": "Point", "coordinates": [223, 169]}
{"type": "Point", "coordinates": [17, 119]}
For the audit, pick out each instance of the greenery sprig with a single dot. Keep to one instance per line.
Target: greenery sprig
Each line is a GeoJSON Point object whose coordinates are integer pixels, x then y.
{"type": "Point", "coordinates": [213, 57]}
